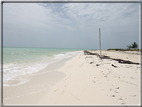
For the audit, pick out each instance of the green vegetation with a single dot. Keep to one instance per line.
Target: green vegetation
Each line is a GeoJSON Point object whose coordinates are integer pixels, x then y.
{"type": "Point", "coordinates": [132, 47]}
{"type": "Point", "coordinates": [123, 49]}
{"type": "Point", "coordinates": [114, 49]}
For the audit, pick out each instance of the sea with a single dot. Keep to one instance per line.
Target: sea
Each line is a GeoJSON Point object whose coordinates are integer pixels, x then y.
{"type": "Point", "coordinates": [23, 61]}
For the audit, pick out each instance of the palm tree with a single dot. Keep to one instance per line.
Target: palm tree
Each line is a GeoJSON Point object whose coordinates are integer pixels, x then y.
{"type": "Point", "coordinates": [133, 45]}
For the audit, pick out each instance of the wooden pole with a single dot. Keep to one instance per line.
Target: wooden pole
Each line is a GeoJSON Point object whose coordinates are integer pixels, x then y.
{"type": "Point", "coordinates": [100, 40]}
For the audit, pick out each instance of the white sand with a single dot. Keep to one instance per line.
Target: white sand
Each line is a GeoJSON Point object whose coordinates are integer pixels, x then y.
{"type": "Point", "coordinates": [80, 83]}
{"type": "Point", "coordinates": [88, 84]}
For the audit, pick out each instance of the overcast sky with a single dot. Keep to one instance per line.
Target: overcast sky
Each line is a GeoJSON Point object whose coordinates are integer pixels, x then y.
{"type": "Point", "coordinates": [70, 25]}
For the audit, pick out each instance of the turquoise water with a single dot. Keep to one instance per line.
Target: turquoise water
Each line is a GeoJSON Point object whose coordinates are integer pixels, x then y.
{"type": "Point", "coordinates": [22, 61]}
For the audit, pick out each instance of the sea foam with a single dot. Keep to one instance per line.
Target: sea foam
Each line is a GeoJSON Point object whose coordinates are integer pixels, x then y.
{"type": "Point", "coordinates": [28, 61]}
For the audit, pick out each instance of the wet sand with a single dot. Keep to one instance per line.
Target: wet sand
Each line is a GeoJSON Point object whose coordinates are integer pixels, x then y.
{"type": "Point", "coordinates": [82, 80]}
{"type": "Point", "coordinates": [29, 89]}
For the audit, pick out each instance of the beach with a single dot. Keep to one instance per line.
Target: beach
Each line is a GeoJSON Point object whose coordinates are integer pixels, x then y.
{"type": "Point", "coordinates": [81, 80]}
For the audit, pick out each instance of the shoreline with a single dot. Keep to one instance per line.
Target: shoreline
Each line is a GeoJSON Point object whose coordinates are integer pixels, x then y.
{"type": "Point", "coordinates": [35, 87]}
{"type": "Point", "coordinates": [79, 82]}
{"type": "Point", "coordinates": [98, 83]}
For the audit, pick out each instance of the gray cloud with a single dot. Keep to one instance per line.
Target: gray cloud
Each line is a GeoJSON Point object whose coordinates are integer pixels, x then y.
{"type": "Point", "coordinates": [70, 25]}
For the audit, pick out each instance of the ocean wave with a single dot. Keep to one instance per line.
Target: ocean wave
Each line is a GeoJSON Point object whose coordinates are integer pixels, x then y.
{"type": "Point", "coordinates": [15, 69]}
{"type": "Point", "coordinates": [66, 55]}
{"type": "Point", "coordinates": [12, 70]}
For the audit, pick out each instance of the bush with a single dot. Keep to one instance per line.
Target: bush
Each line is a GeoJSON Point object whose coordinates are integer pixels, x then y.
{"type": "Point", "coordinates": [133, 45]}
